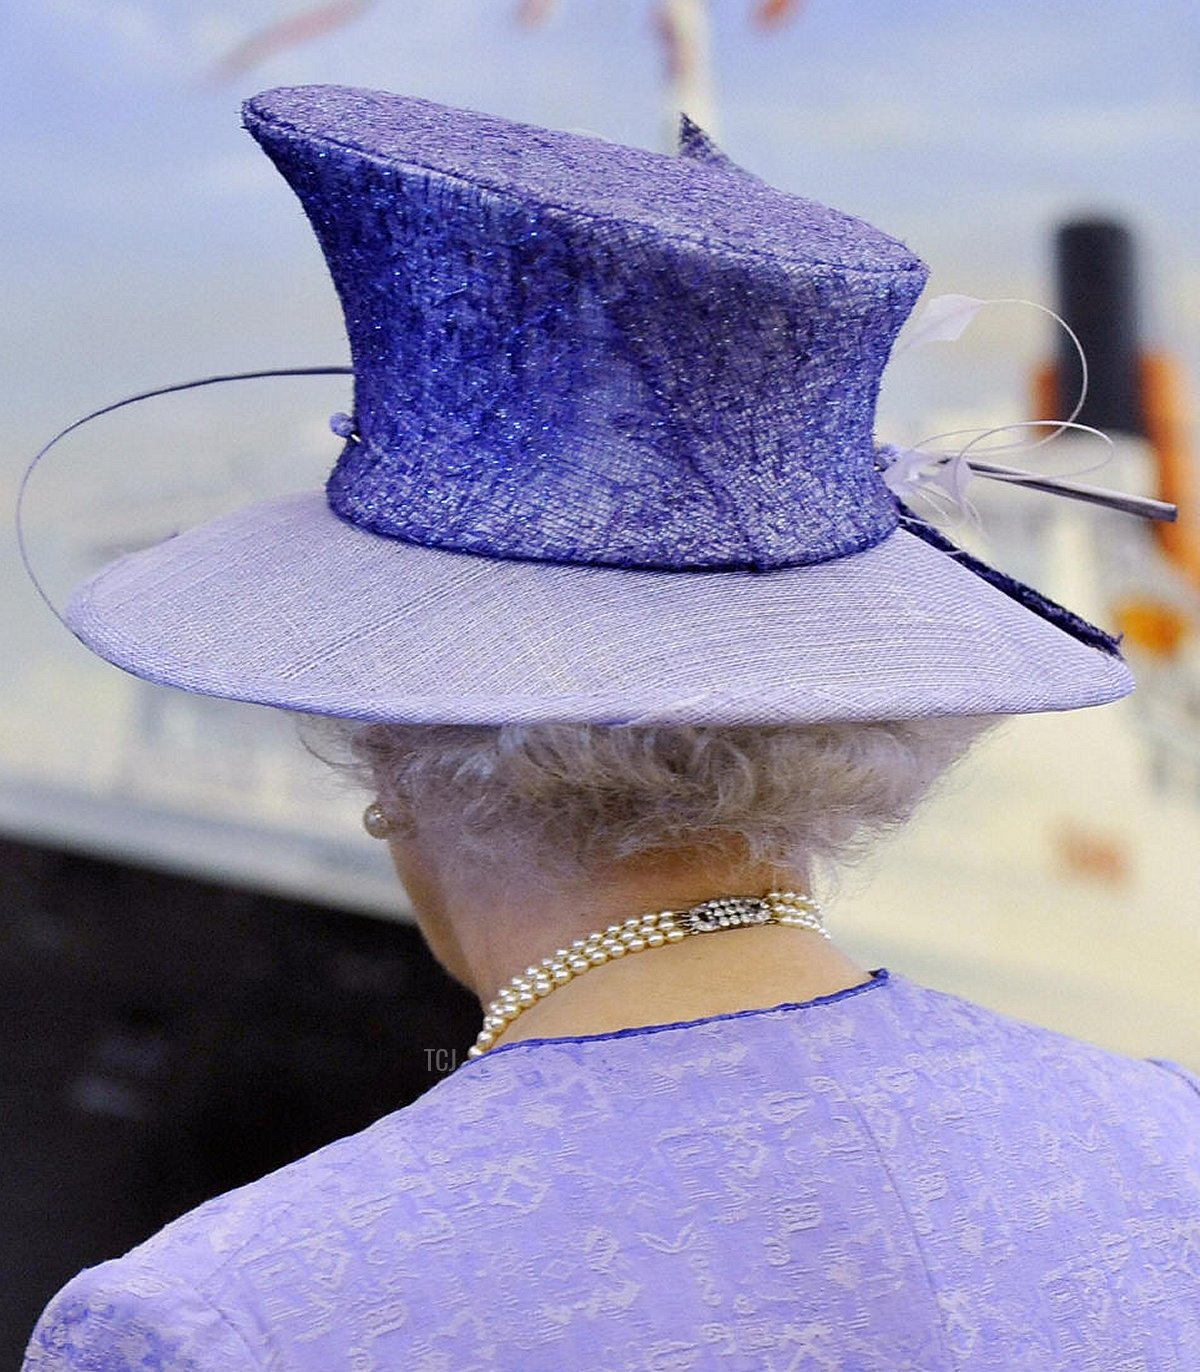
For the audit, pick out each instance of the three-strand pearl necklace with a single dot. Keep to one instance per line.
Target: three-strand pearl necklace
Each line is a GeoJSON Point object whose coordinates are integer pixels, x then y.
{"type": "Point", "coordinates": [634, 936]}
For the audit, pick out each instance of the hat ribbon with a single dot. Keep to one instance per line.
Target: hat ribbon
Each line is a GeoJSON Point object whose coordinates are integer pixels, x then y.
{"type": "Point", "coordinates": [120, 405]}
{"type": "Point", "coordinates": [946, 474]}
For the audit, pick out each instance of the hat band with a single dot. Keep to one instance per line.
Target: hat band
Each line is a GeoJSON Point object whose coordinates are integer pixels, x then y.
{"type": "Point", "coordinates": [664, 517]}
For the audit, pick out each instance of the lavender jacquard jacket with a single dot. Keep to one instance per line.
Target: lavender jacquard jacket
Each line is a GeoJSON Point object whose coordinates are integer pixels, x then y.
{"type": "Point", "coordinates": [889, 1179]}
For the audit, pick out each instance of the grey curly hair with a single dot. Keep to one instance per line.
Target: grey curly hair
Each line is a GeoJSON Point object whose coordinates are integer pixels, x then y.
{"type": "Point", "coordinates": [555, 803]}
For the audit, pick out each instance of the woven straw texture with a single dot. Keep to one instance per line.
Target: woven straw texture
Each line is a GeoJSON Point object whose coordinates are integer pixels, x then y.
{"type": "Point", "coordinates": [247, 607]}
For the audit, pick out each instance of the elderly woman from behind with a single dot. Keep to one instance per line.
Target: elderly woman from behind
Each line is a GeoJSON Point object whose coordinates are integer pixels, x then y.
{"type": "Point", "coordinates": [636, 643]}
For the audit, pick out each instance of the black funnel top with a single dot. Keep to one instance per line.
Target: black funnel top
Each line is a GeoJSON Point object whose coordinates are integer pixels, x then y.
{"type": "Point", "coordinates": [1097, 295]}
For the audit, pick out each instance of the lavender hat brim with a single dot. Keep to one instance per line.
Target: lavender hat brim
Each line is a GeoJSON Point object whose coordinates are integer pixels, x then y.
{"type": "Point", "coordinates": [286, 604]}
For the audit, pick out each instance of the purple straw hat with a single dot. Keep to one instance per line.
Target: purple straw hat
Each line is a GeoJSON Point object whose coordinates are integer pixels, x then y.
{"type": "Point", "coordinates": [612, 460]}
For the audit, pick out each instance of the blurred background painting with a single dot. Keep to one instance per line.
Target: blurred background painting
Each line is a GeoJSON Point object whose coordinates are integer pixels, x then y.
{"type": "Point", "coordinates": [207, 967]}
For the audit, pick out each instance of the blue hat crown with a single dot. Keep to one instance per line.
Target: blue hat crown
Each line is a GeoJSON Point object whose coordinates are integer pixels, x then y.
{"type": "Point", "coordinates": [574, 351]}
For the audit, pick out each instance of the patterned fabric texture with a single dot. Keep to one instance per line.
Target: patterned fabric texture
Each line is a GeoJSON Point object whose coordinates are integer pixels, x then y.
{"type": "Point", "coordinates": [891, 1179]}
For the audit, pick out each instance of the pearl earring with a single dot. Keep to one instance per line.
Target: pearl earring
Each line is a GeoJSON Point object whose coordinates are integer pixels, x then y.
{"type": "Point", "coordinates": [375, 822]}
